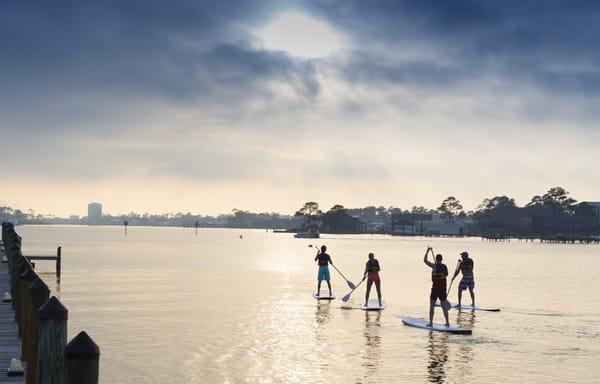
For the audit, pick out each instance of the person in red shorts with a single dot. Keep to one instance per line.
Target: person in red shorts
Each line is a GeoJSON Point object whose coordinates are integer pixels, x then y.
{"type": "Point", "coordinates": [439, 272]}
{"type": "Point", "coordinates": [372, 276]}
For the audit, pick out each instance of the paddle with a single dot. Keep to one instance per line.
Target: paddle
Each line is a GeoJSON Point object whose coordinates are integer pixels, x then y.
{"type": "Point", "coordinates": [350, 284]}
{"type": "Point", "coordinates": [347, 297]}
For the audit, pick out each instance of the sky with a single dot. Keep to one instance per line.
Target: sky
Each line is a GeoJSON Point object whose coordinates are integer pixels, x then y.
{"type": "Point", "coordinates": [203, 107]}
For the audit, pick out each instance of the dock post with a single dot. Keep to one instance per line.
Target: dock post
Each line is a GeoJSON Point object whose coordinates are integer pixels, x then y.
{"type": "Point", "coordinates": [58, 263]}
{"type": "Point", "coordinates": [17, 260]}
{"type": "Point", "coordinates": [24, 280]}
{"type": "Point", "coordinates": [21, 268]}
{"type": "Point", "coordinates": [82, 358]}
{"type": "Point", "coordinates": [39, 293]}
{"type": "Point", "coordinates": [52, 338]}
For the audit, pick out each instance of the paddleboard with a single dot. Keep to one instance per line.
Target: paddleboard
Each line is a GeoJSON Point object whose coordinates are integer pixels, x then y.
{"type": "Point", "coordinates": [373, 305]}
{"type": "Point", "coordinates": [324, 295]}
{"type": "Point", "coordinates": [472, 308]}
{"type": "Point", "coordinates": [422, 323]}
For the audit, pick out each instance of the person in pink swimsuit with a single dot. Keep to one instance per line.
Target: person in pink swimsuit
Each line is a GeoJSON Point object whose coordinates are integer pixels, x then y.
{"type": "Point", "coordinates": [372, 275]}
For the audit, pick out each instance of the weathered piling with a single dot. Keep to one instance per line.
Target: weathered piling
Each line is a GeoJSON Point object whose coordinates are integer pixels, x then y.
{"type": "Point", "coordinates": [58, 263]}
{"type": "Point", "coordinates": [25, 280]}
{"type": "Point", "coordinates": [52, 339]}
{"type": "Point", "coordinates": [82, 358]}
{"type": "Point", "coordinates": [42, 323]}
{"type": "Point", "coordinates": [21, 268]}
{"type": "Point", "coordinates": [14, 275]}
{"type": "Point", "coordinates": [39, 293]}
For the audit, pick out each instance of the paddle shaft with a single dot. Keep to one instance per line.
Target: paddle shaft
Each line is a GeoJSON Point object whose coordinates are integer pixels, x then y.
{"type": "Point", "coordinates": [333, 265]}
{"type": "Point", "coordinates": [347, 297]}
{"type": "Point", "coordinates": [453, 277]}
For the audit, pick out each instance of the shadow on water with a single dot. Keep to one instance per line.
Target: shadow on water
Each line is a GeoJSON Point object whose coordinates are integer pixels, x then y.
{"type": "Point", "coordinates": [372, 357]}
{"type": "Point", "coordinates": [438, 356]}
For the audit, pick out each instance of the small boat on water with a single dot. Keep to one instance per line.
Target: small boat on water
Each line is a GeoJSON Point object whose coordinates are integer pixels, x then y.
{"type": "Point", "coordinates": [307, 235]}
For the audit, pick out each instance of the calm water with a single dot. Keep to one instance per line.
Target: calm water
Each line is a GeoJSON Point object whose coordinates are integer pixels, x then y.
{"type": "Point", "coordinates": [167, 306]}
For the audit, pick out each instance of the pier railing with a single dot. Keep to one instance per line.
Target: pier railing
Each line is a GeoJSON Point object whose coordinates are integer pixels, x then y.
{"type": "Point", "coordinates": [42, 324]}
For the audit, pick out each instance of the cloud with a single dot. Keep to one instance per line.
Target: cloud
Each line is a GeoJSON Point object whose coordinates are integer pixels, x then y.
{"type": "Point", "coordinates": [143, 90]}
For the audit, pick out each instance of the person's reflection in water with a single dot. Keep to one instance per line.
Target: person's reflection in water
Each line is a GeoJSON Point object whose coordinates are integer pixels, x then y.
{"type": "Point", "coordinates": [465, 319]}
{"type": "Point", "coordinates": [438, 356]}
{"type": "Point", "coordinates": [322, 315]}
{"type": "Point", "coordinates": [372, 357]}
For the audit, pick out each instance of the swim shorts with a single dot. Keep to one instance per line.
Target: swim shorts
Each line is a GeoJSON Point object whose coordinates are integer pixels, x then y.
{"type": "Point", "coordinates": [438, 293]}
{"type": "Point", "coordinates": [373, 277]}
{"type": "Point", "coordinates": [466, 282]}
{"type": "Point", "coordinates": [323, 273]}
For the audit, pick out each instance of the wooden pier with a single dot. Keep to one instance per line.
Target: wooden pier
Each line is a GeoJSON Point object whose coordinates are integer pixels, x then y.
{"type": "Point", "coordinates": [10, 343]}
{"type": "Point", "coordinates": [33, 325]}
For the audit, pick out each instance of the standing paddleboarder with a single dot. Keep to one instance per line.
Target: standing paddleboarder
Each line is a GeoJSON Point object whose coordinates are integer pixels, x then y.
{"type": "Point", "coordinates": [323, 260]}
{"type": "Point", "coordinates": [439, 272]}
{"type": "Point", "coordinates": [465, 266]}
{"type": "Point", "coordinates": [372, 275]}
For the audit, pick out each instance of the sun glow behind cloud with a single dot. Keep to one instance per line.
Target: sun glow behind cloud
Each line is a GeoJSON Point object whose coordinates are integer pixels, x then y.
{"type": "Point", "coordinates": [300, 35]}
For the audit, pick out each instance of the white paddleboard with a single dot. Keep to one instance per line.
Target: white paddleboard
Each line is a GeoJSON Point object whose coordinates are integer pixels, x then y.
{"type": "Point", "coordinates": [373, 305]}
{"type": "Point", "coordinates": [472, 308]}
{"type": "Point", "coordinates": [324, 295]}
{"type": "Point", "coordinates": [422, 323]}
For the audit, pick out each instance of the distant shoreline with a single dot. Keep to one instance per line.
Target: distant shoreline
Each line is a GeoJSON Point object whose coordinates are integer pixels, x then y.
{"type": "Point", "coordinates": [556, 239]}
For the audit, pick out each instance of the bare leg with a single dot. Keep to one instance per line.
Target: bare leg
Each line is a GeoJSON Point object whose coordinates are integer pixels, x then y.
{"type": "Point", "coordinates": [472, 296]}
{"type": "Point", "coordinates": [431, 307]}
{"type": "Point", "coordinates": [329, 286]}
{"type": "Point", "coordinates": [459, 297]}
{"type": "Point", "coordinates": [369, 284]}
{"type": "Point", "coordinates": [378, 286]}
{"type": "Point", "coordinates": [445, 310]}
{"type": "Point", "coordinates": [319, 288]}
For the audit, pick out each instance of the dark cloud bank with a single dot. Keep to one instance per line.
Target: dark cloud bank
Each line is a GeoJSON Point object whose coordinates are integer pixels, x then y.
{"type": "Point", "coordinates": [67, 63]}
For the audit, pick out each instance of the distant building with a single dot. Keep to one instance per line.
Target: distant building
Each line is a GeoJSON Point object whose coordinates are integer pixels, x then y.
{"type": "Point", "coordinates": [94, 213]}
{"type": "Point", "coordinates": [594, 205]}
{"type": "Point", "coordinates": [428, 224]}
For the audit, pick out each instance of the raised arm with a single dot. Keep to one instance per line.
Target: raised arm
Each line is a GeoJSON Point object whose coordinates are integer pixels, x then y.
{"type": "Point", "coordinates": [429, 264]}
{"type": "Point", "coordinates": [318, 253]}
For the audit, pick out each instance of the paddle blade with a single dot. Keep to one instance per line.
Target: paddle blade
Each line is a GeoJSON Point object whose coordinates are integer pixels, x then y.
{"type": "Point", "coordinates": [447, 305]}
{"type": "Point", "coordinates": [346, 298]}
{"type": "Point", "coordinates": [350, 284]}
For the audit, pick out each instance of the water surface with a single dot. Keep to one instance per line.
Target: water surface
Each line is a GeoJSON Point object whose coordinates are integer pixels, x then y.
{"type": "Point", "coordinates": [168, 306]}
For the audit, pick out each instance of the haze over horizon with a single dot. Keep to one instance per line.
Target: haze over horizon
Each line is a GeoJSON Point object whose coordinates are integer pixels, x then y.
{"type": "Point", "coordinates": [264, 105]}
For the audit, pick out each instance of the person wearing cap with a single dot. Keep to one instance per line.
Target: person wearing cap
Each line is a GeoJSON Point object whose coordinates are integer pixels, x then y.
{"type": "Point", "coordinates": [465, 266]}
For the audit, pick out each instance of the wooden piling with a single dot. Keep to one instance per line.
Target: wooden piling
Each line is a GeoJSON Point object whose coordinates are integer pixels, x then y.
{"type": "Point", "coordinates": [82, 358]}
{"type": "Point", "coordinates": [22, 267]}
{"type": "Point", "coordinates": [52, 339]}
{"type": "Point", "coordinates": [39, 294]}
{"type": "Point", "coordinates": [24, 281]}
{"type": "Point", "coordinates": [58, 263]}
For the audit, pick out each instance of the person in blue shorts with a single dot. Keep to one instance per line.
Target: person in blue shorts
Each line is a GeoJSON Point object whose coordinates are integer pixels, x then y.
{"type": "Point", "coordinates": [323, 260]}
{"type": "Point", "coordinates": [465, 266]}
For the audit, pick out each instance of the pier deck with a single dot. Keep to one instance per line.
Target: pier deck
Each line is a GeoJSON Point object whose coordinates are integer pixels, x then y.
{"type": "Point", "coordinates": [10, 344]}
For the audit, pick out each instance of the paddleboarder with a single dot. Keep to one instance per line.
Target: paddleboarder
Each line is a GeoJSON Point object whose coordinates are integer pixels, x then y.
{"type": "Point", "coordinates": [439, 272]}
{"type": "Point", "coordinates": [372, 275]}
{"type": "Point", "coordinates": [323, 260]}
{"type": "Point", "coordinates": [465, 266]}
